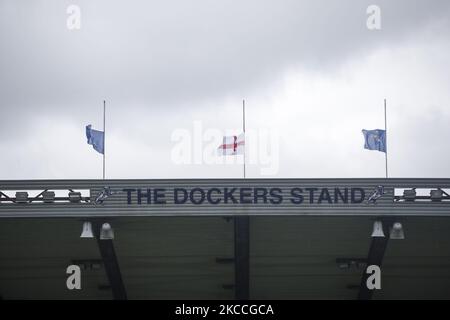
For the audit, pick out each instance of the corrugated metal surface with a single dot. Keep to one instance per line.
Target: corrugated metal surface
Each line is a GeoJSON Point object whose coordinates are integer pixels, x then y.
{"type": "Point", "coordinates": [175, 258]}
{"type": "Point", "coordinates": [116, 205]}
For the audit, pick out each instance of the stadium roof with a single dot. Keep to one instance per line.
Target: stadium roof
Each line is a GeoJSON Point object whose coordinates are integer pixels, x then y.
{"type": "Point", "coordinates": [194, 257]}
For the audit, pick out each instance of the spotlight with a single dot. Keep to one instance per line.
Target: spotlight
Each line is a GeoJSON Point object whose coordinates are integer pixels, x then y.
{"type": "Point", "coordinates": [74, 196]}
{"type": "Point", "coordinates": [397, 232]}
{"type": "Point", "coordinates": [21, 197]}
{"type": "Point", "coordinates": [48, 196]}
{"type": "Point", "coordinates": [436, 195]}
{"type": "Point", "coordinates": [378, 230]}
{"type": "Point", "coordinates": [409, 195]}
{"type": "Point", "coordinates": [87, 230]}
{"type": "Point", "coordinates": [106, 233]}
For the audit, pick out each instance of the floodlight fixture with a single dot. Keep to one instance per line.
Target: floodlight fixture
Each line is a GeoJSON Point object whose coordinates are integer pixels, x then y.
{"type": "Point", "coordinates": [87, 230]}
{"type": "Point", "coordinates": [378, 230]}
{"type": "Point", "coordinates": [397, 232]}
{"type": "Point", "coordinates": [48, 196]}
{"type": "Point", "coordinates": [21, 197]}
{"type": "Point", "coordinates": [409, 195]}
{"type": "Point", "coordinates": [436, 195]}
{"type": "Point", "coordinates": [106, 233]}
{"type": "Point", "coordinates": [74, 197]}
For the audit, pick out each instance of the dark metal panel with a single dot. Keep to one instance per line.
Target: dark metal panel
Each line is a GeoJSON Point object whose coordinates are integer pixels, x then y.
{"type": "Point", "coordinates": [117, 205]}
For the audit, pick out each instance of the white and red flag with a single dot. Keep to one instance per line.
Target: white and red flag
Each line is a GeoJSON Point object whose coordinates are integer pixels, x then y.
{"type": "Point", "coordinates": [232, 145]}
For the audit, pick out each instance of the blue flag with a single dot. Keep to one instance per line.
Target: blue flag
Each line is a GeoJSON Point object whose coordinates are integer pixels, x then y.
{"type": "Point", "coordinates": [375, 139]}
{"type": "Point", "coordinates": [96, 139]}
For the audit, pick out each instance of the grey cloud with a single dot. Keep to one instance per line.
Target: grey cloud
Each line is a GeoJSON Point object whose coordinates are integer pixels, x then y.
{"type": "Point", "coordinates": [157, 62]}
{"type": "Point", "coordinates": [166, 52]}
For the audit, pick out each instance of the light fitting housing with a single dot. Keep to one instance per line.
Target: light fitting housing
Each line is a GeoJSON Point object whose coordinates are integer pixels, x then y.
{"type": "Point", "coordinates": [409, 195]}
{"type": "Point", "coordinates": [436, 195]}
{"type": "Point", "coordinates": [21, 197]}
{"type": "Point", "coordinates": [87, 230]}
{"type": "Point", "coordinates": [397, 232]}
{"type": "Point", "coordinates": [48, 196]}
{"type": "Point", "coordinates": [74, 196]}
{"type": "Point", "coordinates": [106, 233]}
{"type": "Point", "coordinates": [377, 230]}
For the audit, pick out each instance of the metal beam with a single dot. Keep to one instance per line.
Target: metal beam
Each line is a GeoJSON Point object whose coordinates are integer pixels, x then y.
{"type": "Point", "coordinates": [111, 264]}
{"type": "Point", "coordinates": [376, 253]}
{"type": "Point", "coordinates": [117, 204]}
{"type": "Point", "coordinates": [242, 257]}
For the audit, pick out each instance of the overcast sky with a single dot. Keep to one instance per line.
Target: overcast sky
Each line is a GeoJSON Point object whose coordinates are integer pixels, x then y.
{"type": "Point", "coordinates": [312, 74]}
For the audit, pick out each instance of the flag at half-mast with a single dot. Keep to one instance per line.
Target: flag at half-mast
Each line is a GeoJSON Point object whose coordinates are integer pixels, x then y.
{"type": "Point", "coordinates": [375, 139]}
{"type": "Point", "coordinates": [96, 139]}
{"type": "Point", "coordinates": [232, 145]}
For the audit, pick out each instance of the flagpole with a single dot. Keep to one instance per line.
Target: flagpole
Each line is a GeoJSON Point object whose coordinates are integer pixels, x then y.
{"type": "Point", "coordinates": [243, 123]}
{"type": "Point", "coordinates": [104, 136]}
{"type": "Point", "coordinates": [385, 139]}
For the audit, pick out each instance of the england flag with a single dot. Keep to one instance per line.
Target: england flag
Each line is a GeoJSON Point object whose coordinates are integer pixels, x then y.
{"type": "Point", "coordinates": [232, 145]}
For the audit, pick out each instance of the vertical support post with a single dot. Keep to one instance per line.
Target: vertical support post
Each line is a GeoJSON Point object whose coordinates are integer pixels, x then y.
{"type": "Point", "coordinates": [111, 264]}
{"type": "Point", "coordinates": [242, 257]}
{"type": "Point", "coordinates": [242, 244]}
{"type": "Point", "coordinates": [385, 139]}
{"type": "Point", "coordinates": [104, 136]}
{"type": "Point", "coordinates": [377, 250]}
{"type": "Point", "coordinates": [243, 124]}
